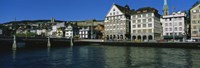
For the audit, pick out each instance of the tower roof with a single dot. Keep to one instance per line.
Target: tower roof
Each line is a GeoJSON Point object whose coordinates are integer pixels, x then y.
{"type": "Point", "coordinates": [165, 8]}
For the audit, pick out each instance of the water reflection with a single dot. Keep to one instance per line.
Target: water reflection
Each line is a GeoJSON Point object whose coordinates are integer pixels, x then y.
{"type": "Point", "coordinates": [102, 57]}
{"type": "Point", "coordinates": [14, 55]}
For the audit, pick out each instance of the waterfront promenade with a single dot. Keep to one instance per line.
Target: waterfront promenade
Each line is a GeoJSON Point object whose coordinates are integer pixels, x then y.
{"type": "Point", "coordinates": [56, 42]}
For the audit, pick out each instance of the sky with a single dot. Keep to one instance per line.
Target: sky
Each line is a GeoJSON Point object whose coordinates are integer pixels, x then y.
{"type": "Point", "coordinates": [76, 10]}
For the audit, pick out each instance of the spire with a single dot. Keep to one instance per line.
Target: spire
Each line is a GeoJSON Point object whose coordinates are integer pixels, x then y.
{"type": "Point", "coordinates": [126, 6]}
{"type": "Point", "coordinates": [165, 8]}
{"type": "Point", "coordinates": [165, 2]}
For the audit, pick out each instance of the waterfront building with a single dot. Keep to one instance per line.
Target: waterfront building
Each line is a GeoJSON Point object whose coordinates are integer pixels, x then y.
{"type": "Point", "coordinates": [195, 21]}
{"type": "Point", "coordinates": [174, 26]}
{"type": "Point", "coordinates": [117, 24]}
{"type": "Point", "coordinates": [1, 32]}
{"type": "Point", "coordinates": [57, 30]}
{"type": "Point", "coordinates": [69, 31]}
{"type": "Point", "coordinates": [41, 32]}
{"type": "Point", "coordinates": [84, 33]}
{"type": "Point", "coordinates": [146, 25]}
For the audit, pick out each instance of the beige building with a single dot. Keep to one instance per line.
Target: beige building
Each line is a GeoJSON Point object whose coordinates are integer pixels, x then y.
{"type": "Point", "coordinates": [117, 23]}
{"type": "Point", "coordinates": [195, 22]}
{"type": "Point", "coordinates": [145, 24]}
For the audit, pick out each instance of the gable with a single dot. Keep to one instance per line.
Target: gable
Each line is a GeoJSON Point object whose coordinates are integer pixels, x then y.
{"type": "Point", "coordinates": [114, 11]}
{"type": "Point", "coordinates": [196, 7]}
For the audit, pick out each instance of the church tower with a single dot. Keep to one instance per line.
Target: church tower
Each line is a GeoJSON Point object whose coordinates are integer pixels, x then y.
{"type": "Point", "coordinates": [165, 8]}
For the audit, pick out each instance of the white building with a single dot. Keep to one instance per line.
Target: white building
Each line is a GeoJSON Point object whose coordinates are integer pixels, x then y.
{"type": "Point", "coordinates": [1, 31]}
{"type": "Point", "coordinates": [145, 24]}
{"type": "Point", "coordinates": [57, 30]}
{"type": "Point", "coordinates": [69, 31]}
{"type": "Point", "coordinates": [84, 32]}
{"type": "Point", "coordinates": [174, 25]}
{"type": "Point", "coordinates": [117, 23]}
{"type": "Point", "coordinates": [42, 32]}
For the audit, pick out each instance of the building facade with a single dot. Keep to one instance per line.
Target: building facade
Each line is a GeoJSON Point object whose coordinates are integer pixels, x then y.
{"type": "Point", "coordinates": [84, 33]}
{"type": "Point", "coordinates": [117, 24]}
{"type": "Point", "coordinates": [145, 24]}
{"type": "Point", "coordinates": [69, 32]}
{"type": "Point", "coordinates": [195, 22]}
{"type": "Point", "coordinates": [174, 25]}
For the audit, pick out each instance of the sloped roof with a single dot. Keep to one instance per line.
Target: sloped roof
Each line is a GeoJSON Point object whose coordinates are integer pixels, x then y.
{"type": "Point", "coordinates": [145, 10]}
{"type": "Point", "coordinates": [195, 4]}
{"type": "Point", "coordinates": [125, 9]}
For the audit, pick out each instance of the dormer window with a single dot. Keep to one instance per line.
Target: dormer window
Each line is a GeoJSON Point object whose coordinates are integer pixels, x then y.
{"type": "Point", "coordinates": [194, 11]}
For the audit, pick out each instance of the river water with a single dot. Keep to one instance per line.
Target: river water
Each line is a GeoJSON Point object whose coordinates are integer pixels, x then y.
{"type": "Point", "coordinates": [101, 57]}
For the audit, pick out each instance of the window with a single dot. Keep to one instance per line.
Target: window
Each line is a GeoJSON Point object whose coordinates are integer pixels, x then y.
{"type": "Point", "coordinates": [176, 28]}
{"type": "Point", "coordinates": [134, 31]}
{"type": "Point", "coordinates": [139, 25]}
{"type": "Point", "coordinates": [194, 11]}
{"type": "Point", "coordinates": [139, 21]}
{"type": "Point", "coordinates": [170, 19]}
{"type": "Point", "coordinates": [180, 18]}
{"type": "Point", "coordinates": [150, 25]}
{"type": "Point", "coordinates": [143, 15]}
{"type": "Point", "coordinates": [193, 22]}
{"type": "Point", "coordinates": [175, 23]}
{"type": "Point", "coordinates": [180, 23]}
{"type": "Point", "coordinates": [133, 21]}
{"type": "Point", "coordinates": [170, 24]}
{"type": "Point", "coordinates": [180, 33]}
{"type": "Point", "coordinates": [194, 32]}
{"type": "Point", "coordinates": [167, 33]}
{"type": "Point", "coordinates": [144, 25]}
{"type": "Point", "coordinates": [170, 33]}
{"type": "Point", "coordinates": [149, 30]}
{"type": "Point", "coordinates": [194, 27]}
{"type": "Point", "coordinates": [199, 16]}
{"type": "Point", "coordinates": [180, 29]}
{"type": "Point", "coordinates": [166, 24]}
{"type": "Point", "coordinates": [139, 16]}
{"type": "Point", "coordinates": [113, 9]}
{"type": "Point", "coordinates": [144, 20]}
{"type": "Point", "coordinates": [110, 13]}
{"type": "Point", "coordinates": [139, 31]}
{"type": "Point", "coordinates": [166, 29]}
{"type": "Point", "coordinates": [170, 29]}
{"type": "Point", "coordinates": [150, 20]}
{"type": "Point", "coordinates": [144, 31]}
{"type": "Point", "coordinates": [165, 19]}
{"type": "Point", "coordinates": [149, 15]}
{"type": "Point", "coordinates": [134, 16]}
{"type": "Point", "coordinates": [134, 26]}
{"type": "Point", "coordinates": [198, 21]}
{"type": "Point", "coordinates": [194, 16]}
{"type": "Point", "coordinates": [175, 33]}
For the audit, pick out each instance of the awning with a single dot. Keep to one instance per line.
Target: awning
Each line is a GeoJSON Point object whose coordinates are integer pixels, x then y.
{"type": "Point", "coordinates": [171, 37]}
